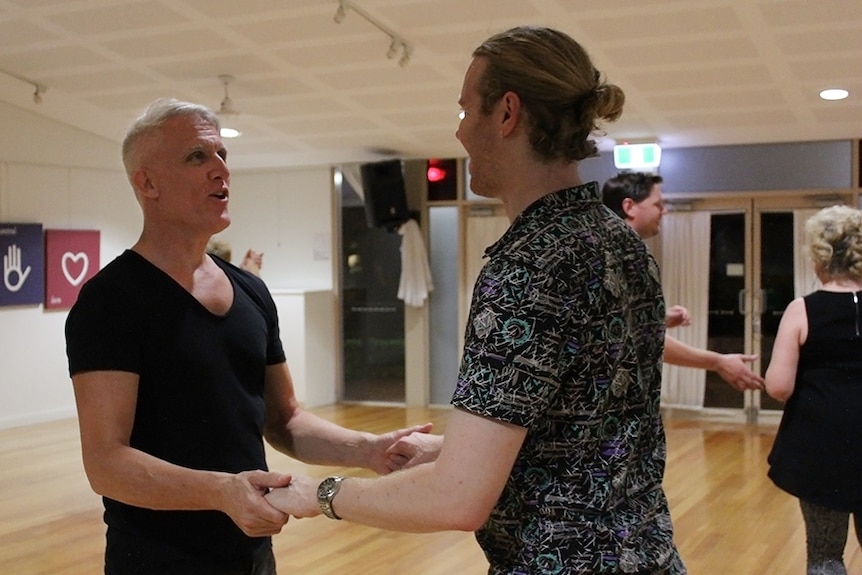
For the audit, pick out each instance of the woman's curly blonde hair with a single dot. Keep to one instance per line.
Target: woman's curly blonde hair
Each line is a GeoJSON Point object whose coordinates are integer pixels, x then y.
{"type": "Point", "coordinates": [834, 239]}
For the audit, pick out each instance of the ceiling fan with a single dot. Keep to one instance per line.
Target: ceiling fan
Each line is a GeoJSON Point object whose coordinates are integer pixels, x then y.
{"type": "Point", "coordinates": [227, 109]}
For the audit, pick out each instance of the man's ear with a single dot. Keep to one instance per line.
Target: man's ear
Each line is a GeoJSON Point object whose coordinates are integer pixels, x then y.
{"type": "Point", "coordinates": [144, 184]}
{"type": "Point", "coordinates": [511, 104]}
{"type": "Point", "coordinates": [628, 205]}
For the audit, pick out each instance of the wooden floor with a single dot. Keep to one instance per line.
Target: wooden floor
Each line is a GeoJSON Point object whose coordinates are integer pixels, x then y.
{"type": "Point", "coordinates": [729, 518]}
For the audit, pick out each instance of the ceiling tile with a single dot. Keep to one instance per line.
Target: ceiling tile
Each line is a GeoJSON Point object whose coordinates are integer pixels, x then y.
{"type": "Point", "coordinates": [690, 53]}
{"type": "Point", "coordinates": [838, 115]}
{"type": "Point", "coordinates": [245, 8]}
{"type": "Point", "coordinates": [209, 66]}
{"type": "Point", "coordinates": [38, 3]}
{"type": "Point", "coordinates": [19, 33]}
{"type": "Point", "coordinates": [715, 99]}
{"type": "Point", "coordinates": [378, 98]}
{"type": "Point", "coordinates": [111, 19]}
{"type": "Point", "coordinates": [337, 55]}
{"type": "Point", "coordinates": [729, 119]}
{"type": "Point", "coordinates": [445, 13]}
{"type": "Point", "coordinates": [289, 29]}
{"type": "Point", "coordinates": [48, 61]}
{"type": "Point", "coordinates": [820, 42]}
{"type": "Point", "coordinates": [91, 82]}
{"type": "Point", "coordinates": [810, 14]}
{"type": "Point", "coordinates": [337, 124]}
{"type": "Point", "coordinates": [639, 26]}
{"type": "Point", "coordinates": [162, 44]}
{"type": "Point", "coordinates": [834, 70]}
{"type": "Point", "coordinates": [298, 107]}
{"type": "Point", "coordinates": [701, 78]}
{"type": "Point", "coordinates": [385, 73]}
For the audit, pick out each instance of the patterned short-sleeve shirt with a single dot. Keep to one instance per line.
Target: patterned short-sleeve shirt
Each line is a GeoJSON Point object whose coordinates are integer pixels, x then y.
{"type": "Point", "coordinates": [565, 338]}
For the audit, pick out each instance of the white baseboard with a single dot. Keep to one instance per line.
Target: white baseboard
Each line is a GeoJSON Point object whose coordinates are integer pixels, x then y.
{"type": "Point", "coordinates": [38, 417]}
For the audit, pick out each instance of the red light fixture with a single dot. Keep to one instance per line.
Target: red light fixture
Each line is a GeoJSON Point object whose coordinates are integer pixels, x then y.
{"type": "Point", "coordinates": [442, 179]}
{"type": "Point", "coordinates": [436, 174]}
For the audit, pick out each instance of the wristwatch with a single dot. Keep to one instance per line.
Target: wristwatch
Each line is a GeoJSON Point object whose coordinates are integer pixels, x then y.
{"type": "Point", "coordinates": [326, 491]}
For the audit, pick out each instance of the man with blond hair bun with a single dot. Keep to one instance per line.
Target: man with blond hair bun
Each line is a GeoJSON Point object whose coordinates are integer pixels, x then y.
{"type": "Point", "coordinates": [555, 451]}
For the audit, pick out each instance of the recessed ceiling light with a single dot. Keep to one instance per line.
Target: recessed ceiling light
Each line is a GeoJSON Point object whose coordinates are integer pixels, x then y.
{"type": "Point", "coordinates": [229, 133]}
{"type": "Point", "coordinates": [834, 94]}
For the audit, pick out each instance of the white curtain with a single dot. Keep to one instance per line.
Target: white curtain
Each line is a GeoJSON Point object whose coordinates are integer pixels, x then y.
{"type": "Point", "coordinates": [804, 279]}
{"type": "Point", "coordinates": [685, 280]}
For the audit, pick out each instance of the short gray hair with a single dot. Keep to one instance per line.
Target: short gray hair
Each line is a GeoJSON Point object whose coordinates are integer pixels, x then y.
{"type": "Point", "coordinates": [156, 114]}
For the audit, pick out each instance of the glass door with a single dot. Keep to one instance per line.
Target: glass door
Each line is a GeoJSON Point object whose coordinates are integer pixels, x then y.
{"type": "Point", "coordinates": [729, 286]}
{"type": "Point", "coordinates": [754, 268]}
{"type": "Point", "coordinates": [372, 316]}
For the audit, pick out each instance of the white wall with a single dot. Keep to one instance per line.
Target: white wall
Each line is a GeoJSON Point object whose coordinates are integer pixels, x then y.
{"type": "Point", "coordinates": [30, 139]}
{"type": "Point", "coordinates": [288, 216]}
{"type": "Point", "coordinates": [307, 322]}
{"type": "Point", "coordinates": [67, 179]}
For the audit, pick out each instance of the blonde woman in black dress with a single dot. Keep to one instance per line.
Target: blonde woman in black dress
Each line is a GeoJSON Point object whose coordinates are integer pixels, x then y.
{"type": "Point", "coordinates": [816, 367]}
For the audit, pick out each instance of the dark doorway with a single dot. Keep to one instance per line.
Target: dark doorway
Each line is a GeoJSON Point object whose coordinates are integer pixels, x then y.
{"type": "Point", "coordinates": [372, 314]}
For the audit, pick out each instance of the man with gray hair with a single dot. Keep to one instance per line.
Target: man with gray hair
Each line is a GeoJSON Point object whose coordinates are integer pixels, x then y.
{"type": "Point", "coordinates": [179, 373]}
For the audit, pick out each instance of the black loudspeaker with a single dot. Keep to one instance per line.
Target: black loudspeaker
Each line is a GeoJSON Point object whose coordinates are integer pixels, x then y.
{"type": "Point", "coordinates": [385, 195]}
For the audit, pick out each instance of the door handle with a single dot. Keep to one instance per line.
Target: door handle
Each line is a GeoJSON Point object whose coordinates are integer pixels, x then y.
{"type": "Point", "coordinates": [760, 304]}
{"type": "Point", "coordinates": [757, 316]}
{"type": "Point", "coordinates": [759, 307]}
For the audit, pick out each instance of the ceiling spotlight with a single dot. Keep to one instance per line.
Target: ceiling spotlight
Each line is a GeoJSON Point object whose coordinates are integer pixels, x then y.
{"type": "Point", "coordinates": [227, 111]}
{"type": "Point", "coordinates": [226, 106]}
{"type": "Point", "coordinates": [37, 93]}
{"type": "Point", "coordinates": [38, 89]}
{"type": "Point", "coordinates": [407, 50]}
{"type": "Point", "coordinates": [834, 94]}
{"type": "Point", "coordinates": [396, 42]}
{"type": "Point", "coordinates": [340, 12]}
{"type": "Point", "coordinates": [393, 49]}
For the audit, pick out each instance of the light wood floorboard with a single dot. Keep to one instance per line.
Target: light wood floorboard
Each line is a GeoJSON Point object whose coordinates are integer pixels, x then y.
{"type": "Point", "coordinates": [728, 517]}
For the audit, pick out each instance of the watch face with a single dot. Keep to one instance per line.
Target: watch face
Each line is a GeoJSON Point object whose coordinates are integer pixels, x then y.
{"type": "Point", "coordinates": [325, 492]}
{"type": "Point", "coordinates": [328, 487]}
{"type": "Point", "coordinates": [325, 488]}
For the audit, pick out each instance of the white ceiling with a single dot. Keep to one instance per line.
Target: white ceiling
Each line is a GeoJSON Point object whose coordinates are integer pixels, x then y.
{"type": "Point", "coordinates": [311, 91]}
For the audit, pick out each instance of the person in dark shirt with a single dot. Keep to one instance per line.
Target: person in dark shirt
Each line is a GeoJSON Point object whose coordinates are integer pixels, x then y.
{"type": "Point", "coordinates": [636, 197]}
{"type": "Point", "coordinates": [179, 374]}
{"type": "Point", "coordinates": [816, 368]}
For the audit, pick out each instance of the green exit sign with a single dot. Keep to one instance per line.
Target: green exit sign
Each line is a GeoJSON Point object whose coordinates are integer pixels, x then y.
{"type": "Point", "coordinates": [637, 156]}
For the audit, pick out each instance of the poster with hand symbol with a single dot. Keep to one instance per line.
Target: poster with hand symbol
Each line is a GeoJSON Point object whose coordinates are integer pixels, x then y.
{"type": "Point", "coordinates": [71, 258]}
{"type": "Point", "coordinates": [22, 251]}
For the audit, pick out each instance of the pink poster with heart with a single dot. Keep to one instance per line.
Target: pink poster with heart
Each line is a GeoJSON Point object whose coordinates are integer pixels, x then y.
{"type": "Point", "coordinates": [71, 258]}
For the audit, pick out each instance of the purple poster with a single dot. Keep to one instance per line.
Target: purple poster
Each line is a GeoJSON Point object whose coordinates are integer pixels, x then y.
{"type": "Point", "coordinates": [23, 264]}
